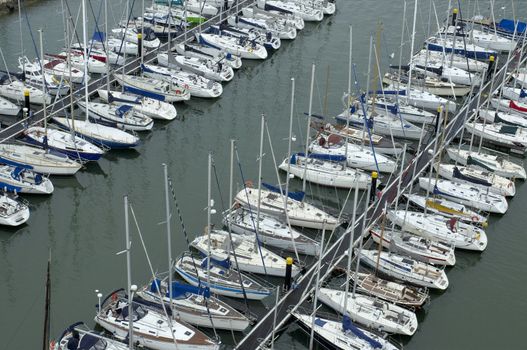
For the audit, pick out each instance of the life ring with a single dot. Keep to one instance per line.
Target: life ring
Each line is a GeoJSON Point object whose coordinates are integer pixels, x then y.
{"type": "Point", "coordinates": [114, 297]}
{"type": "Point", "coordinates": [475, 218]}
{"type": "Point", "coordinates": [178, 92]}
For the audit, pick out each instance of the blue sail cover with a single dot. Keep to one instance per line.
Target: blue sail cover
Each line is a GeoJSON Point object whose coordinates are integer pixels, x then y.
{"type": "Point", "coordinates": [179, 289]}
{"type": "Point", "coordinates": [458, 175]}
{"type": "Point", "coordinates": [523, 94]}
{"type": "Point", "coordinates": [297, 196]}
{"type": "Point", "coordinates": [348, 326]}
{"type": "Point", "coordinates": [122, 110]}
{"type": "Point", "coordinates": [222, 263]}
{"type": "Point", "coordinates": [88, 341]}
{"type": "Point", "coordinates": [329, 157]}
{"type": "Point", "coordinates": [112, 98]}
{"type": "Point", "coordinates": [509, 25]}
{"type": "Point", "coordinates": [99, 36]}
{"type": "Point", "coordinates": [145, 93]}
{"type": "Point", "coordinates": [16, 172]}
{"type": "Point", "coordinates": [389, 92]}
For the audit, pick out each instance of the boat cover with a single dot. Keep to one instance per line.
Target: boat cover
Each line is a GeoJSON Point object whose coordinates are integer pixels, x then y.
{"type": "Point", "coordinates": [458, 175]}
{"type": "Point", "coordinates": [298, 196]}
{"type": "Point", "coordinates": [122, 110]}
{"type": "Point", "coordinates": [180, 289]}
{"type": "Point", "coordinates": [348, 326]}
{"type": "Point", "coordinates": [509, 25]}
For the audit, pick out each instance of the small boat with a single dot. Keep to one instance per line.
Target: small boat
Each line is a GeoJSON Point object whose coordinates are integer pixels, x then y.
{"type": "Point", "coordinates": [325, 170]}
{"type": "Point", "coordinates": [447, 208]}
{"type": "Point", "coordinates": [15, 90]}
{"type": "Point", "coordinates": [465, 194]}
{"type": "Point", "coordinates": [419, 248]}
{"type": "Point", "coordinates": [250, 256]}
{"type": "Point", "coordinates": [394, 292]}
{"type": "Point", "coordinates": [453, 60]}
{"type": "Point", "coordinates": [152, 88]}
{"type": "Point", "coordinates": [60, 68]}
{"type": "Point", "coordinates": [209, 52]}
{"type": "Point", "coordinates": [437, 227]}
{"type": "Point", "coordinates": [8, 108]}
{"type": "Point", "coordinates": [38, 159]}
{"type": "Point", "coordinates": [459, 47]}
{"type": "Point", "coordinates": [22, 180]}
{"type": "Point", "coordinates": [342, 335]}
{"type": "Point", "coordinates": [269, 231]}
{"type": "Point", "coordinates": [484, 161]}
{"type": "Point", "coordinates": [13, 212]}
{"type": "Point", "coordinates": [149, 107]}
{"type": "Point", "coordinates": [208, 68]}
{"type": "Point", "coordinates": [360, 157]}
{"type": "Point", "coordinates": [101, 135]}
{"type": "Point", "coordinates": [63, 142]}
{"type": "Point", "coordinates": [224, 280]}
{"type": "Point", "coordinates": [299, 213]}
{"type": "Point", "coordinates": [277, 29]}
{"type": "Point", "coordinates": [371, 312]}
{"type": "Point", "coordinates": [406, 269]}
{"type": "Point", "coordinates": [301, 10]}
{"type": "Point", "coordinates": [122, 117]}
{"type": "Point", "coordinates": [192, 305]}
{"type": "Point", "coordinates": [239, 47]}
{"type": "Point", "coordinates": [151, 328]}
{"type": "Point", "coordinates": [478, 178]}
{"type": "Point", "coordinates": [79, 337]}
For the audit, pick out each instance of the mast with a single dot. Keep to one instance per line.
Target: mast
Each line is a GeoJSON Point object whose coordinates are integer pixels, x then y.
{"type": "Point", "coordinates": [365, 215]}
{"type": "Point", "coordinates": [68, 62]}
{"type": "Point", "coordinates": [412, 48]}
{"type": "Point", "coordinates": [20, 28]}
{"type": "Point", "coordinates": [106, 46]}
{"type": "Point", "coordinates": [260, 156]}
{"type": "Point", "coordinates": [128, 273]}
{"type": "Point", "coordinates": [308, 123]}
{"type": "Point", "coordinates": [209, 200]}
{"type": "Point", "coordinates": [169, 238]}
{"type": "Point", "coordinates": [84, 39]}
{"type": "Point", "coordinates": [348, 112]}
{"type": "Point", "coordinates": [350, 248]}
{"type": "Point", "coordinates": [317, 281]}
{"type": "Point", "coordinates": [289, 142]}
{"type": "Point", "coordinates": [45, 339]}
{"type": "Point", "coordinates": [44, 107]}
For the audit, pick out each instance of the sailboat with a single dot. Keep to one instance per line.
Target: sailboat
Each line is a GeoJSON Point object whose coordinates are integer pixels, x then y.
{"type": "Point", "coordinates": [343, 335]}
{"type": "Point", "coordinates": [437, 227]}
{"type": "Point", "coordinates": [278, 29]}
{"type": "Point", "coordinates": [511, 138]}
{"type": "Point", "coordinates": [152, 88]}
{"type": "Point", "coordinates": [122, 117]}
{"type": "Point", "coordinates": [282, 18]}
{"type": "Point", "coordinates": [459, 47]}
{"type": "Point", "coordinates": [267, 40]}
{"type": "Point", "coordinates": [270, 231]}
{"type": "Point", "coordinates": [239, 47]}
{"type": "Point", "coordinates": [485, 161]}
{"type": "Point", "coordinates": [79, 337]}
{"type": "Point", "coordinates": [149, 107]}
{"type": "Point", "coordinates": [454, 60]}
{"type": "Point", "coordinates": [207, 68]}
{"type": "Point", "coordinates": [15, 89]}
{"type": "Point", "coordinates": [13, 211]}
{"type": "Point", "coordinates": [466, 194]}
{"type": "Point", "coordinates": [209, 52]}
{"type": "Point", "coordinates": [406, 269]}
{"type": "Point", "coordinates": [299, 9]}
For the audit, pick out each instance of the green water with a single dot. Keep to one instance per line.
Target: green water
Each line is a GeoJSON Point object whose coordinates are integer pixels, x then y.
{"type": "Point", "coordinates": [83, 221]}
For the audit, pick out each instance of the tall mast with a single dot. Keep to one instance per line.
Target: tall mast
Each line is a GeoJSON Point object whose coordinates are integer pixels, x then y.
{"type": "Point", "coordinates": [44, 107]}
{"type": "Point", "coordinates": [412, 48]}
{"type": "Point", "coordinates": [308, 123]}
{"type": "Point", "coordinates": [348, 112]}
{"type": "Point", "coordinates": [128, 273]}
{"type": "Point", "coordinates": [289, 140]}
{"type": "Point", "coordinates": [209, 199]}
{"type": "Point", "coordinates": [260, 156]}
{"type": "Point", "coordinates": [169, 238]}
{"type": "Point", "coordinates": [106, 46]}
{"type": "Point", "coordinates": [350, 248]}
{"type": "Point", "coordinates": [45, 340]}
{"type": "Point", "coordinates": [84, 39]}
{"type": "Point", "coordinates": [20, 28]}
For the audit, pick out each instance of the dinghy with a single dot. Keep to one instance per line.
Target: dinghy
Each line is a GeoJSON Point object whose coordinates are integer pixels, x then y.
{"type": "Point", "coordinates": [151, 328]}
{"type": "Point", "coordinates": [22, 180]}
{"type": "Point", "coordinates": [437, 227]}
{"type": "Point", "coordinates": [299, 213]}
{"type": "Point", "coordinates": [251, 257]}
{"type": "Point", "coordinates": [360, 157]}
{"type": "Point", "coordinates": [465, 194]}
{"type": "Point", "coordinates": [370, 312]}
{"type": "Point", "coordinates": [152, 88]}
{"type": "Point", "coordinates": [224, 280]}
{"type": "Point", "coordinates": [13, 212]}
{"type": "Point", "coordinates": [419, 248]}
{"type": "Point", "coordinates": [122, 117]}
{"type": "Point", "coordinates": [394, 292]}
{"type": "Point", "coordinates": [192, 305]}
{"type": "Point", "coordinates": [38, 159]}
{"type": "Point", "coordinates": [150, 107]}
{"type": "Point", "coordinates": [483, 161]}
{"type": "Point", "coordinates": [406, 269]}
{"type": "Point", "coordinates": [342, 335]}
{"type": "Point", "coordinates": [325, 170]}
{"type": "Point", "coordinates": [478, 178]}
{"type": "Point", "coordinates": [269, 231]}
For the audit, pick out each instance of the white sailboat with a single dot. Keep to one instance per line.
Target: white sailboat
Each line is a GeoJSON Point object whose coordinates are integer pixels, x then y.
{"type": "Point", "coordinates": [78, 337]}
{"type": "Point", "coordinates": [152, 88]}
{"type": "Point", "coordinates": [8, 108]}
{"type": "Point", "coordinates": [59, 68]}
{"type": "Point", "coordinates": [15, 90]}
{"type": "Point", "coordinates": [451, 231]}
{"type": "Point", "coordinates": [283, 18]}
{"type": "Point", "coordinates": [406, 269]}
{"type": "Point", "coordinates": [239, 47]}
{"type": "Point", "coordinates": [33, 76]}
{"type": "Point", "coordinates": [469, 195]}
{"type": "Point", "coordinates": [130, 35]}
{"type": "Point", "coordinates": [209, 52]}
{"type": "Point", "coordinates": [122, 117]}
{"type": "Point", "coordinates": [301, 10]}
{"type": "Point", "coordinates": [207, 68]}
{"type": "Point", "coordinates": [38, 159]}
{"type": "Point", "coordinates": [150, 107]}
{"type": "Point", "coordinates": [278, 29]}
{"type": "Point", "coordinates": [22, 180]}
{"type": "Point", "coordinates": [13, 212]}
{"type": "Point", "coordinates": [451, 60]}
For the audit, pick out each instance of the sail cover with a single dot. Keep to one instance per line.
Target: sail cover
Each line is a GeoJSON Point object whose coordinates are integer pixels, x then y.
{"type": "Point", "coordinates": [509, 25]}
{"type": "Point", "coordinates": [298, 196]}
{"type": "Point", "coordinates": [348, 326]}
{"type": "Point", "coordinates": [459, 175]}
{"type": "Point", "coordinates": [121, 111]}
